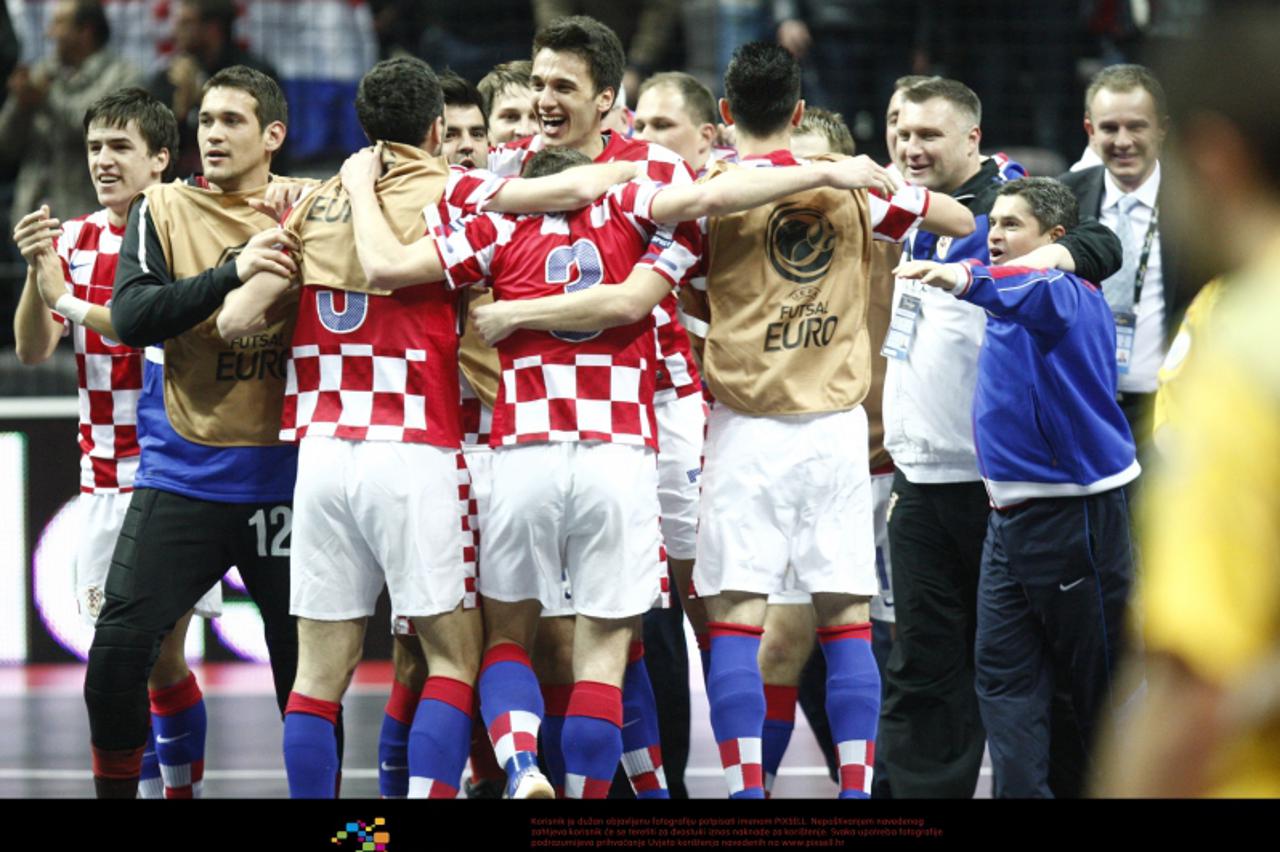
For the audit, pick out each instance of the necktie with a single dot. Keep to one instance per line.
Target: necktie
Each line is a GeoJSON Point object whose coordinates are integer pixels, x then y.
{"type": "Point", "coordinates": [1118, 289]}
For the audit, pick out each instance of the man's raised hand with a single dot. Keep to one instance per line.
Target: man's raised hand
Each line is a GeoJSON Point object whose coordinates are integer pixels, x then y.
{"type": "Point", "coordinates": [362, 169]}
{"type": "Point", "coordinates": [35, 234]}
{"type": "Point", "coordinates": [947, 276]}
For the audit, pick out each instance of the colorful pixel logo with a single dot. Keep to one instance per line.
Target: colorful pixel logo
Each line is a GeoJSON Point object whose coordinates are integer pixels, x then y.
{"type": "Point", "coordinates": [368, 838]}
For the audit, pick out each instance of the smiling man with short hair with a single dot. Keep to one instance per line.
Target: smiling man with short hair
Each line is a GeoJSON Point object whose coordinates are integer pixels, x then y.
{"type": "Point", "coordinates": [1125, 118]}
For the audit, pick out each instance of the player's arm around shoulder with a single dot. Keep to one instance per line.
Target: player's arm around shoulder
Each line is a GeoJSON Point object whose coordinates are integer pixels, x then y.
{"type": "Point", "coordinates": [148, 306]}
{"type": "Point", "coordinates": [593, 309]}
{"type": "Point", "coordinates": [946, 217]}
{"type": "Point", "coordinates": [568, 190]}
{"type": "Point", "coordinates": [257, 303]}
{"type": "Point", "coordinates": [388, 264]}
{"type": "Point", "coordinates": [733, 190]}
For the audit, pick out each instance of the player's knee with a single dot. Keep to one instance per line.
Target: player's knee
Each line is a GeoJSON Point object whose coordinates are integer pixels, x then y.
{"type": "Point", "coordinates": [781, 661]}
{"type": "Point", "coordinates": [120, 658]}
{"type": "Point", "coordinates": [324, 675]}
{"type": "Point", "coordinates": [115, 686]}
{"type": "Point", "coordinates": [553, 651]}
{"type": "Point", "coordinates": [409, 662]}
{"type": "Point", "coordinates": [836, 609]}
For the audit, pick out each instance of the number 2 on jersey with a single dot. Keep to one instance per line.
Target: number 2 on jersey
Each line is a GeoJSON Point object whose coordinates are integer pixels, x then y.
{"type": "Point", "coordinates": [577, 267]}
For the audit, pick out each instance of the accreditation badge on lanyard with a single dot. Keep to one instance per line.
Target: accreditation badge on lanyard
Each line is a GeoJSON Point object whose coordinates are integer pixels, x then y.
{"type": "Point", "coordinates": [1127, 321]}
{"type": "Point", "coordinates": [1126, 325]}
{"type": "Point", "coordinates": [902, 327]}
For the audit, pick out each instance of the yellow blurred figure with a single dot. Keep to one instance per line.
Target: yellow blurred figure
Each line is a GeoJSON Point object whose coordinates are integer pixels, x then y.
{"type": "Point", "coordinates": [1207, 609]}
{"type": "Point", "coordinates": [1195, 323]}
{"type": "Point", "coordinates": [1210, 590]}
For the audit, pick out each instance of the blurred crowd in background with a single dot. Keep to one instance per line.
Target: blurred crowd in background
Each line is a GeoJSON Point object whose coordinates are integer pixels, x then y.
{"type": "Point", "coordinates": [58, 55]}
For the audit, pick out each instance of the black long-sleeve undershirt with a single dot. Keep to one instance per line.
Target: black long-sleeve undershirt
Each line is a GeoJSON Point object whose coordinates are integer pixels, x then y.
{"type": "Point", "coordinates": [1095, 249]}
{"type": "Point", "coordinates": [148, 306]}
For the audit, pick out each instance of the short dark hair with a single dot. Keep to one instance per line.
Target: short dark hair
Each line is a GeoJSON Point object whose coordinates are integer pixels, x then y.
{"type": "Point", "coordinates": [831, 125]}
{"type": "Point", "coordinates": [90, 14]}
{"type": "Point", "coordinates": [507, 75]}
{"type": "Point", "coordinates": [762, 85]}
{"type": "Point", "coordinates": [220, 12]}
{"type": "Point", "coordinates": [457, 92]}
{"type": "Point", "coordinates": [553, 160]}
{"type": "Point", "coordinates": [156, 124]}
{"type": "Point", "coordinates": [1051, 202]}
{"type": "Point", "coordinates": [698, 100]}
{"type": "Point", "coordinates": [591, 40]}
{"type": "Point", "coordinates": [398, 100]}
{"type": "Point", "coordinates": [270, 104]}
{"type": "Point", "coordinates": [1126, 78]}
{"type": "Point", "coordinates": [953, 91]}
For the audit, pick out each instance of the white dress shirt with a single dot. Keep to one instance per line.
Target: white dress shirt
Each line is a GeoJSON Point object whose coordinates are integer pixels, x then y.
{"type": "Point", "coordinates": [1148, 343]}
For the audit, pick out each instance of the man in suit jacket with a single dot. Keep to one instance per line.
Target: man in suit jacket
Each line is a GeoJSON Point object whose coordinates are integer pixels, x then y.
{"type": "Point", "coordinates": [1125, 117]}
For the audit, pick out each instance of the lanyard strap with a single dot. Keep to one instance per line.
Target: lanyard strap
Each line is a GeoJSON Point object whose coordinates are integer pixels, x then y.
{"type": "Point", "coordinates": [1141, 276]}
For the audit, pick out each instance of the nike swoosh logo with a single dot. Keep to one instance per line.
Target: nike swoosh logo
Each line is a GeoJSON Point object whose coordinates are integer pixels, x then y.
{"type": "Point", "coordinates": [162, 740]}
{"type": "Point", "coordinates": [1069, 586]}
{"type": "Point", "coordinates": [386, 767]}
{"type": "Point", "coordinates": [628, 724]}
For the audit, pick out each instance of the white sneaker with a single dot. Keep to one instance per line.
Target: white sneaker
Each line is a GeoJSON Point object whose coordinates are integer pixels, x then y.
{"type": "Point", "coordinates": [526, 781]}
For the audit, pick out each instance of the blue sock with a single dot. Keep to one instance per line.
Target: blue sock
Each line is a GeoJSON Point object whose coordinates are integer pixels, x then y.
{"type": "Point", "coordinates": [704, 654]}
{"type": "Point", "coordinates": [179, 721]}
{"type": "Point", "coordinates": [555, 699]}
{"type": "Point", "coordinates": [393, 742]}
{"type": "Point", "coordinates": [779, 722]}
{"type": "Point", "coordinates": [149, 784]}
{"type": "Point", "coordinates": [511, 705]}
{"type": "Point", "coordinates": [311, 747]}
{"type": "Point", "coordinates": [641, 744]}
{"type": "Point", "coordinates": [440, 739]}
{"type": "Point", "coordinates": [853, 703]}
{"type": "Point", "coordinates": [736, 693]}
{"type": "Point", "coordinates": [592, 739]}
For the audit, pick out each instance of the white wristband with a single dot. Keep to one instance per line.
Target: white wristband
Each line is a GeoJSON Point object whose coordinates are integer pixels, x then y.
{"type": "Point", "coordinates": [72, 308]}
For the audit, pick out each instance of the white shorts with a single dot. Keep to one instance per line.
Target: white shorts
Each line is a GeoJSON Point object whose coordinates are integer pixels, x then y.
{"type": "Point", "coordinates": [882, 603]}
{"type": "Point", "coordinates": [681, 425]}
{"type": "Point", "coordinates": [101, 516]}
{"type": "Point", "coordinates": [789, 595]}
{"type": "Point", "coordinates": [479, 461]}
{"type": "Point", "coordinates": [480, 465]}
{"type": "Point", "coordinates": [369, 512]}
{"type": "Point", "coordinates": [585, 510]}
{"type": "Point", "coordinates": [781, 491]}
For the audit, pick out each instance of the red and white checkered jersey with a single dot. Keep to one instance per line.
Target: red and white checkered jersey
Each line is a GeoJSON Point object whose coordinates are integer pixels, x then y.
{"type": "Point", "coordinates": [383, 368]}
{"type": "Point", "coordinates": [567, 386]}
{"type": "Point", "coordinates": [677, 375]}
{"type": "Point", "coordinates": [467, 192]}
{"type": "Point", "coordinates": [109, 374]}
{"type": "Point", "coordinates": [477, 418]}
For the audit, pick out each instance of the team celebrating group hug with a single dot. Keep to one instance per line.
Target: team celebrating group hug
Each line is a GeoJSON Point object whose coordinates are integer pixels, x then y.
{"type": "Point", "coordinates": [534, 365]}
